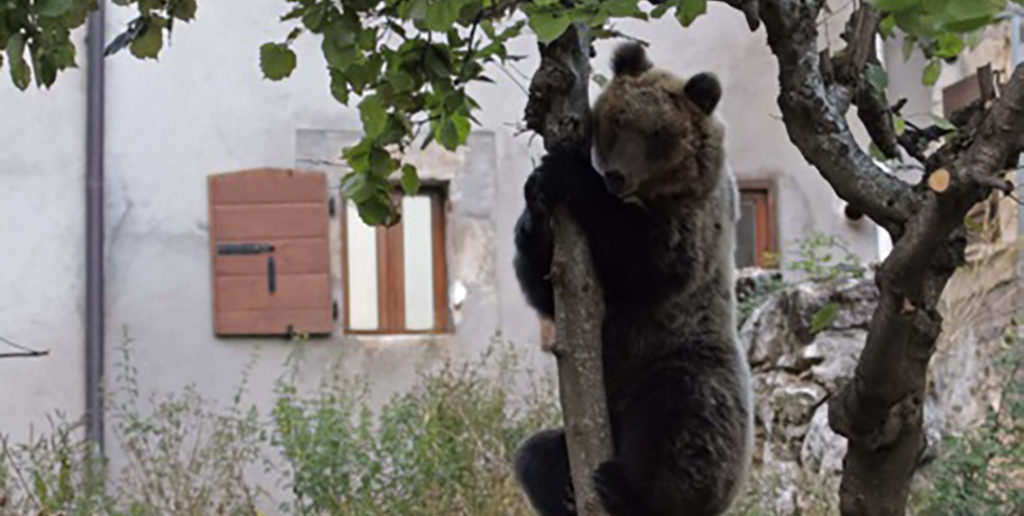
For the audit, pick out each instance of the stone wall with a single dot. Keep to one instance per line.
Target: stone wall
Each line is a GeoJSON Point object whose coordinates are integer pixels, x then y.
{"type": "Point", "coordinates": [798, 458]}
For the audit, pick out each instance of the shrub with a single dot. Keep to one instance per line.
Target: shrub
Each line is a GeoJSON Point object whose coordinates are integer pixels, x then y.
{"type": "Point", "coordinates": [442, 448]}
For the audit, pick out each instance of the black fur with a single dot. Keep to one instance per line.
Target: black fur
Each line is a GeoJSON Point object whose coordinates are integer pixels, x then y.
{"type": "Point", "coordinates": [705, 91]}
{"type": "Point", "coordinates": [630, 59]}
{"type": "Point", "coordinates": [674, 379]}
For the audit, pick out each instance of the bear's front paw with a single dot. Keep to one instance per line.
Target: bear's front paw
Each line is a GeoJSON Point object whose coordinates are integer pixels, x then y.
{"type": "Point", "coordinates": [542, 191]}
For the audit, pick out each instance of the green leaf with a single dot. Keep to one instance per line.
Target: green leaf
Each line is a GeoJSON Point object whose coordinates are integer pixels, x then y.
{"type": "Point", "coordinates": [824, 317]}
{"type": "Point", "coordinates": [339, 45]}
{"type": "Point", "coordinates": [375, 211]}
{"type": "Point", "coordinates": [899, 125]}
{"type": "Point", "coordinates": [909, 44]}
{"type": "Point", "coordinates": [410, 179]}
{"type": "Point", "coordinates": [52, 8]}
{"type": "Point", "coordinates": [339, 86]}
{"type": "Point", "coordinates": [886, 26]}
{"type": "Point", "coordinates": [184, 10]}
{"type": "Point", "coordinates": [931, 72]}
{"type": "Point", "coordinates": [948, 45]}
{"type": "Point", "coordinates": [660, 10]}
{"type": "Point", "coordinates": [452, 131]}
{"type": "Point", "coordinates": [314, 17]}
{"type": "Point", "coordinates": [688, 10]}
{"type": "Point", "coordinates": [875, 152]}
{"type": "Point", "coordinates": [373, 115]}
{"type": "Point", "coordinates": [942, 123]}
{"type": "Point", "coordinates": [876, 76]}
{"type": "Point", "coordinates": [964, 10]}
{"type": "Point", "coordinates": [437, 63]}
{"type": "Point", "coordinates": [441, 15]}
{"type": "Point", "coordinates": [21, 75]}
{"type": "Point", "coordinates": [277, 61]}
{"type": "Point", "coordinates": [895, 5]}
{"type": "Point", "coordinates": [148, 44]}
{"type": "Point", "coordinates": [619, 7]}
{"type": "Point", "coordinates": [414, 10]}
{"type": "Point", "coordinates": [549, 25]}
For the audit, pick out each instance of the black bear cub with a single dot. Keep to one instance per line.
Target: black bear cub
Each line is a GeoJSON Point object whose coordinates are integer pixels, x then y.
{"type": "Point", "coordinates": [658, 207]}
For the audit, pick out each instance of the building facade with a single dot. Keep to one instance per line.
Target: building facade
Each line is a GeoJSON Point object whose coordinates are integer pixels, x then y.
{"type": "Point", "coordinates": [189, 138]}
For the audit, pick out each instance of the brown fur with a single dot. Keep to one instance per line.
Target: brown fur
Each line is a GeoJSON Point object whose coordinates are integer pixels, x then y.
{"type": "Point", "coordinates": [658, 207]}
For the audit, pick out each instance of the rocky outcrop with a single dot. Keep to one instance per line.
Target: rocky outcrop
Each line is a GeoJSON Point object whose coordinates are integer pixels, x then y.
{"type": "Point", "coordinates": [803, 341]}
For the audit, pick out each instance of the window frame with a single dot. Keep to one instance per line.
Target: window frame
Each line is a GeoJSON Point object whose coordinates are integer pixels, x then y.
{"type": "Point", "coordinates": [391, 271]}
{"type": "Point", "coordinates": [766, 228]}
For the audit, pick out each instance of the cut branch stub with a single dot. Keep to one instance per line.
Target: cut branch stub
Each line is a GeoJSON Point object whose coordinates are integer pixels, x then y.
{"type": "Point", "coordinates": [938, 180]}
{"type": "Point", "coordinates": [559, 107]}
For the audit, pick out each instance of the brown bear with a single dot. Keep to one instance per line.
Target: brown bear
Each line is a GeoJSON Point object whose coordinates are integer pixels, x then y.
{"type": "Point", "coordinates": [658, 207]}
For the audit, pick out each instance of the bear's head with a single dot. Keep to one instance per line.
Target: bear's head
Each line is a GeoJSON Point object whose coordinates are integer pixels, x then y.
{"type": "Point", "coordinates": [654, 134]}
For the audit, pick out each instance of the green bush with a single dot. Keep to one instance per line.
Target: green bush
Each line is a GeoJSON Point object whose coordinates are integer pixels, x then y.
{"type": "Point", "coordinates": [444, 447]}
{"type": "Point", "coordinates": [53, 472]}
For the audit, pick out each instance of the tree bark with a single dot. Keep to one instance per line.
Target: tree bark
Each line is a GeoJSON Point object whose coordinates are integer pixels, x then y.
{"type": "Point", "coordinates": [559, 110]}
{"type": "Point", "coordinates": [579, 317]}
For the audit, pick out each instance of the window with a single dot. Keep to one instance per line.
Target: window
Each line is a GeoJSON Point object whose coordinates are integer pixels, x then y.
{"type": "Point", "coordinates": [395, 278]}
{"type": "Point", "coordinates": [755, 231]}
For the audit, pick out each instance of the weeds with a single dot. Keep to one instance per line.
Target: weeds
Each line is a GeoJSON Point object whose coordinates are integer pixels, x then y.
{"type": "Point", "coordinates": [981, 473]}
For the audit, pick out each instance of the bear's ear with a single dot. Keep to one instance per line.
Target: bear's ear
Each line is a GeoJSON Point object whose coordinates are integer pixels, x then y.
{"type": "Point", "coordinates": [704, 91]}
{"type": "Point", "coordinates": [630, 59]}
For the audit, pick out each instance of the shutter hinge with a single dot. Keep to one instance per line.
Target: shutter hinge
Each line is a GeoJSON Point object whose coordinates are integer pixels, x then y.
{"type": "Point", "coordinates": [334, 310]}
{"type": "Point", "coordinates": [332, 209]}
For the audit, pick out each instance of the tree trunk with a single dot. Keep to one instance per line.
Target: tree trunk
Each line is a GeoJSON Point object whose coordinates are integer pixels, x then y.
{"type": "Point", "coordinates": [559, 110]}
{"type": "Point", "coordinates": [579, 317]}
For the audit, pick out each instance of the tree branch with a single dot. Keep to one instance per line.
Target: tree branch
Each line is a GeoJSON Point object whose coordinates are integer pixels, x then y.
{"type": "Point", "coordinates": [817, 126]}
{"type": "Point", "coordinates": [880, 410]}
{"type": "Point", "coordinates": [559, 109]}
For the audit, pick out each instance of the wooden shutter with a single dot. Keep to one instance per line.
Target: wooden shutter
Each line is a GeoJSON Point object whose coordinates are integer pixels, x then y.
{"type": "Point", "coordinates": [755, 239]}
{"type": "Point", "coordinates": [270, 253]}
{"type": "Point", "coordinates": [959, 95]}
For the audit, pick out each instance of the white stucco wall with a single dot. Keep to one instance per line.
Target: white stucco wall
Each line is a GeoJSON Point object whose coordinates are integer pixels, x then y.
{"type": "Point", "coordinates": [42, 245]}
{"type": "Point", "coordinates": [204, 108]}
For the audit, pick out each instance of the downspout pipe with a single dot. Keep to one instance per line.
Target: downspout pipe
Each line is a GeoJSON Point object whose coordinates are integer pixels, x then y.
{"type": "Point", "coordinates": [1017, 56]}
{"type": "Point", "coordinates": [94, 313]}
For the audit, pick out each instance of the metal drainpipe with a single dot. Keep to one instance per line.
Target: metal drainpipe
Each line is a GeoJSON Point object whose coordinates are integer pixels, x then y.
{"type": "Point", "coordinates": [94, 318]}
{"type": "Point", "coordinates": [1017, 56]}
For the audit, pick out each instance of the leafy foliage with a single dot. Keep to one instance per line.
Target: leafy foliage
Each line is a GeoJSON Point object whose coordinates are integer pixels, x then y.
{"type": "Point", "coordinates": [36, 38]}
{"type": "Point", "coordinates": [410, 61]}
{"type": "Point", "coordinates": [940, 28]}
{"type": "Point", "coordinates": [825, 257]}
{"type": "Point", "coordinates": [444, 447]}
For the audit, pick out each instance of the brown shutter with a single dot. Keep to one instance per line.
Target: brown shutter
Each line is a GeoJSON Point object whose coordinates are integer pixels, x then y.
{"type": "Point", "coordinates": [268, 240]}
{"type": "Point", "coordinates": [959, 95]}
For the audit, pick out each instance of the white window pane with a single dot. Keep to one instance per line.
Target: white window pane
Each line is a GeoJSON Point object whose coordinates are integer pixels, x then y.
{"type": "Point", "coordinates": [417, 246]}
{"type": "Point", "coordinates": [362, 271]}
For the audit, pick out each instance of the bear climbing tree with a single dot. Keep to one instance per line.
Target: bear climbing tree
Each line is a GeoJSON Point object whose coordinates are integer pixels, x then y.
{"type": "Point", "coordinates": [411, 60]}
